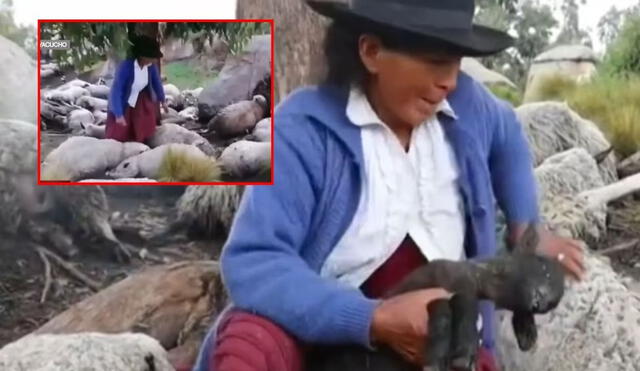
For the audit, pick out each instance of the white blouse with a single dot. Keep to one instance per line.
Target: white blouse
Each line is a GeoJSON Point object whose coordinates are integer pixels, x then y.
{"type": "Point", "coordinates": [412, 192]}
{"type": "Point", "coordinates": [140, 81]}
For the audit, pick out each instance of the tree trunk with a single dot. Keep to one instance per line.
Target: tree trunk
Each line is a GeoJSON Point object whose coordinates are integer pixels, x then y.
{"type": "Point", "coordinates": [298, 44]}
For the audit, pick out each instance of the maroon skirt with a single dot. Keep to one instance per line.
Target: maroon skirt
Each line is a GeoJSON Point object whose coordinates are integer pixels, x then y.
{"type": "Point", "coordinates": [141, 121]}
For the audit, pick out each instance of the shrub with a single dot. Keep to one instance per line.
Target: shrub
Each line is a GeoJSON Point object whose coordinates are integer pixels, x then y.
{"type": "Point", "coordinates": [612, 102]}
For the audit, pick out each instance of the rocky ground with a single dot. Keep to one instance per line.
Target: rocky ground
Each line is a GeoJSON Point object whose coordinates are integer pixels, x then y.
{"type": "Point", "coordinates": [22, 276]}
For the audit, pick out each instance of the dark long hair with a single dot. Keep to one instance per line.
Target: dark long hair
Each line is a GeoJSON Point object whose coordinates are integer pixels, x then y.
{"type": "Point", "coordinates": [344, 66]}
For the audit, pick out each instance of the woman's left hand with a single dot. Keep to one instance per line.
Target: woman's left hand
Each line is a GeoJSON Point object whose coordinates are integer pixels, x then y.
{"type": "Point", "coordinates": [164, 107]}
{"type": "Point", "coordinates": [566, 250]}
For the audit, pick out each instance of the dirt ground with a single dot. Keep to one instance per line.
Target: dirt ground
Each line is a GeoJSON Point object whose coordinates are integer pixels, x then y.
{"type": "Point", "coordinates": [22, 270]}
{"type": "Point", "coordinates": [148, 210]}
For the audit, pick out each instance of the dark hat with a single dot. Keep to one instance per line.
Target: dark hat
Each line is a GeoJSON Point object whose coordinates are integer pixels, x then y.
{"type": "Point", "coordinates": [450, 21]}
{"type": "Point", "coordinates": [144, 46]}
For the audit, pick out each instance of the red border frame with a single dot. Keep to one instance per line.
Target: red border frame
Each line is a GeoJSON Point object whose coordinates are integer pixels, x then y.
{"type": "Point", "coordinates": [270, 21]}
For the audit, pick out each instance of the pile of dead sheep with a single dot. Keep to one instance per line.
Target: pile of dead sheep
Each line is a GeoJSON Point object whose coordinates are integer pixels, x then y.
{"type": "Point", "coordinates": [235, 144]}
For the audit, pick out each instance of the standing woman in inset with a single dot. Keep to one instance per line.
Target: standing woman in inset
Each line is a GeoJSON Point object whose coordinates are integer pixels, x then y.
{"type": "Point", "coordinates": [135, 93]}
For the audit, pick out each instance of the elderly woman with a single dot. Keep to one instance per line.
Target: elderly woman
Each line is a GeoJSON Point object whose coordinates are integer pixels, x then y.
{"type": "Point", "coordinates": [398, 158]}
{"type": "Point", "coordinates": [135, 93]}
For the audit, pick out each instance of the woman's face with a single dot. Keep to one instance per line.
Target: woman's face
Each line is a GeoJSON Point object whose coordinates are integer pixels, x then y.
{"type": "Point", "coordinates": [407, 88]}
{"type": "Point", "coordinates": [144, 61]}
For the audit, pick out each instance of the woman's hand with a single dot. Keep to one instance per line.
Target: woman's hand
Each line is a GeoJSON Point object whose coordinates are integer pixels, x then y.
{"type": "Point", "coordinates": [401, 322]}
{"type": "Point", "coordinates": [566, 250]}
{"type": "Point", "coordinates": [164, 107]}
{"type": "Point", "coordinates": [121, 121]}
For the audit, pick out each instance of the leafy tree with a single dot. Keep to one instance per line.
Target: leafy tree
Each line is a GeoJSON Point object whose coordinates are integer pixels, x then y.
{"type": "Point", "coordinates": [623, 55]}
{"type": "Point", "coordinates": [571, 32]}
{"type": "Point", "coordinates": [530, 22]}
{"type": "Point", "coordinates": [23, 35]}
{"type": "Point", "coordinates": [611, 22]}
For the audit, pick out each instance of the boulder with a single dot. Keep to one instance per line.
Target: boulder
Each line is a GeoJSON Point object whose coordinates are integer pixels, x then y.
{"type": "Point", "coordinates": [574, 61]}
{"type": "Point", "coordinates": [18, 90]}
{"type": "Point", "coordinates": [241, 76]}
{"type": "Point", "coordinates": [553, 127]}
{"type": "Point", "coordinates": [478, 72]}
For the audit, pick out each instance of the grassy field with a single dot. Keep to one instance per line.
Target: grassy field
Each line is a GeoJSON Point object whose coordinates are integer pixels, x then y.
{"type": "Point", "coordinates": [612, 102]}
{"type": "Point", "coordinates": [186, 76]}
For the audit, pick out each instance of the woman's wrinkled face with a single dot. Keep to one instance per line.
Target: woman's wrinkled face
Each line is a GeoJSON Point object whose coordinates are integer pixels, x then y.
{"type": "Point", "coordinates": [407, 88]}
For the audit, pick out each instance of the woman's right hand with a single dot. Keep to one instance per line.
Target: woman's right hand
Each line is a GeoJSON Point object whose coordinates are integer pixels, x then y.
{"type": "Point", "coordinates": [121, 121]}
{"type": "Point", "coordinates": [401, 322]}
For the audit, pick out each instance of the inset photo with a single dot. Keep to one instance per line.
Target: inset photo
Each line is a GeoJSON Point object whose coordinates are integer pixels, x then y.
{"type": "Point", "coordinates": [155, 102]}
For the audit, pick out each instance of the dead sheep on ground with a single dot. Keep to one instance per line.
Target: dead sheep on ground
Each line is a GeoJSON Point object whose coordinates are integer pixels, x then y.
{"type": "Point", "coordinates": [77, 118]}
{"type": "Point", "coordinates": [238, 118]}
{"type": "Point", "coordinates": [92, 103]}
{"type": "Point", "coordinates": [82, 157]}
{"type": "Point", "coordinates": [149, 164]}
{"type": "Point", "coordinates": [190, 97]}
{"type": "Point", "coordinates": [85, 351]}
{"type": "Point", "coordinates": [95, 131]}
{"type": "Point", "coordinates": [99, 91]}
{"type": "Point", "coordinates": [69, 95]}
{"type": "Point", "coordinates": [244, 158]}
{"type": "Point", "coordinates": [173, 133]}
{"type": "Point", "coordinates": [262, 131]}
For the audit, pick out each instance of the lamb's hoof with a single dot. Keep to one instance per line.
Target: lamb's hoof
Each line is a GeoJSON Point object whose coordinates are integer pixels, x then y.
{"type": "Point", "coordinates": [524, 327]}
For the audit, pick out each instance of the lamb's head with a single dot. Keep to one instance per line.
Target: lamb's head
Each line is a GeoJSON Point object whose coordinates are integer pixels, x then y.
{"type": "Point", "coordinates": [133, 148]}
{"type": "Point", "coordinates": [525, 281]}
{"type": "Point", "coordinates": [126, 169]}
{"type": "Point", "coordinates": [262, 101]}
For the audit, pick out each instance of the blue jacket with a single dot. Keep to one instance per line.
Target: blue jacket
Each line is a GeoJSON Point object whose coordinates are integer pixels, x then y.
{"type": "Point", "coordinates": [121, 88]}
{"type": "Point", "coordinates": [283, 233]}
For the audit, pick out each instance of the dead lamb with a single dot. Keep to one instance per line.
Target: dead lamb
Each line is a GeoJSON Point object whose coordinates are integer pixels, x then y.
{"type": "Point", "coordinates": [153, 163]}
{"type": "Point", "coordinates": [173, 133]}
{"type": "Point", "coordinates": [244, 159]}
{"type": "Point", "coordinates": [522, 282]}
{"type": "Point", "coordinates": [238, 118]}
{"type": "Point", "coordinates": [82, 157]}
{"type": "Point", "coordinates": [85, 351]}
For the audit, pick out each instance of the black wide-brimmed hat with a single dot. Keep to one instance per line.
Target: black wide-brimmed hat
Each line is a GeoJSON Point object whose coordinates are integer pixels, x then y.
{"type": "Point", "coordinates": [450, 21]}
{"type": "Point", "coordinates": [144, 46]}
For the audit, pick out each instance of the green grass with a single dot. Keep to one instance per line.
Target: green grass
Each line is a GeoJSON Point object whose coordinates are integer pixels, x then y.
{"type": "Point", "coordinates": [507, 93]}
{"type": "Point", "coordinates": [612, 102]}
{"type": "Point", "coordinates": [185, 76]}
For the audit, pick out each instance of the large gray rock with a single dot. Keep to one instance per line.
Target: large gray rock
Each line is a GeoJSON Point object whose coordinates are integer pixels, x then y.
{"type": "Point", "coordinates": [553, 127]}
{"type": "Point", "coordinates": [573, 61]}
{"type": "Point", "coordinates": [85, 351]}
{"type": "Point", "coordinates": [18, 87]}
{"type": "Point", "coordinates": [241, 77]}
{"type": "Point", "coordinates": [475, 69]}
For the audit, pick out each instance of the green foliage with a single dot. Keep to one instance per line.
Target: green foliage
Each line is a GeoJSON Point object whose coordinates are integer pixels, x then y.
{"type": "Point", "coordinates": [185, 76]}
{"type": "Point", "coordinates": [90, 41]}
{"type": "Point", "coordinates": [507, 93]}
{"type": "Point", "coordinates": [612, 102]}
{"type": "Point", "coordinates": [177, 166]}
{"type": "Point", "coordinates": [24, 36]}
{"type": "Point", "coordinates": [533, 23]}
{"type": "Point", "coordinates": [623, 56]}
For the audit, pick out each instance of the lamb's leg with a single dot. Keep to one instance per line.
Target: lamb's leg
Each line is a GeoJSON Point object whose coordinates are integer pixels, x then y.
{"type": "Point", "coordinates": [122, 254]}
{"type": "Point", "coordinates": [524, 327]}
{"type": "Point", "coordinates": [439, 336]}
{"type": "Point", "coordinates": [464, 331]}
